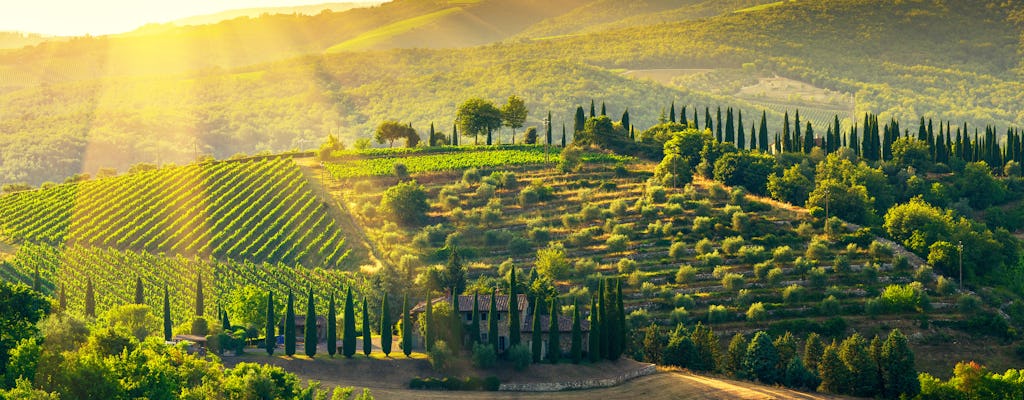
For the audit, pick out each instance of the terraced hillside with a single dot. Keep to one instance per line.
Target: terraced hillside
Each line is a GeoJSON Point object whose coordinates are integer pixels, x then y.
{"type": "Point", "coordinates": [258, 211]}
{"type": "Point", "coordinates": [702, 253]}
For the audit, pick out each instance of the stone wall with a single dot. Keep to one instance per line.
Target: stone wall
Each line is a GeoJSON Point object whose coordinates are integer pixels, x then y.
{"type": "Point", "coordinates": [579, 384]}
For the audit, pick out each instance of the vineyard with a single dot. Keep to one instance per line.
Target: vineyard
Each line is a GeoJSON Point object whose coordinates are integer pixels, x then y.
{"type": "Point", "coordinates": [450, 159]}
{"type": "Point", "coordinates": [257, 211]}
{"type": "Point", "coordinates": [114, 273]}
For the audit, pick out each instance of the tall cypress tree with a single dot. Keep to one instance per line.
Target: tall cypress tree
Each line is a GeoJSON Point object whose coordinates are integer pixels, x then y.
{"type": "Point", "coordinates": [332, 327]}
{"type": "Point", "coordinates": [367, 338]}
{"type": "Point", "coordinates": [513, 310]}
{"type": "Point", "coordinates": [270, 341]}
{"type": "Point", "coordinates": [455, 323]}
{"type": "Point", "coordinates": [289, 326]}
{"type": "Point", "coordinates": [579, 120]}
{"type": "Point", "coordinates": [310, 329]}
{"type": "Point", "coordinates": [385, 327]}
{"type": "Point", "coordinates": [620, 331]}
{"type": "Point", "coordinates": [741, 137]}
{"type": "Point", "coordinates": [348, 339]}
{"type": "Point", "coordinates": [682, 116]}
{"type": "Point", "coordinates": [625, 119]}
{"type": "Point", "coordinates": [90, 299]}
{"type": "Point", "coordinates": [167, 314]}
{"type": "Point", "coordinates": [455, 134]}
{"type": "Point", "coordinates": [474, 327]}
{"type": "Point", "coordinates": [406, 327]}
{"type": "Point", "coordinates": [604, 111]}
{"type": "Point", "coordinates": [593, 112]}
{"type": "Point", "coordinates": [797, 138]}
{"type": "Point", "coordinates": [787, 144]}
{"type": "Point", "coordinates": [536, 338]}
{"type": "Point", "coordinates": [492, 322]}
{"type": "Point", "coordinates": [594, 345]}
{"type": "Point", "coordinates": [808, 138]}
{"type": "Point", "coordinates": [554, 343]}
{"type": "Point", "coordinates": [37, 283]}
{"type": "Point", "coordinates": [576, 349]}
{"type": "Point", "coordinates": [200, 306]}
{"type": "Point", "coordinates": [431, 140]}
{"type": "Point", "coordinates": [563, 135]}
{"type": "Point", "coordinates": [753, 136]}
{"type": "Point", "coordinates": [762, 133]}
{"type": "Point", "coordinates": [225, 322]}
{"type": "Point", "coordinates": [139, 295]}
{"type": "Point", "coordinates": [672, 112]}
{"type": "Point", "coordinates": [730, 127]}
{"type": "Point", "coordinates": [488, 136]}
{"type": "Point", "coordinates": [548, 128]}
{"type": "Point", "coordinates": [707, 120]}
{"type": "Point", "coordinates": [718, 124]}
{"type": "Point", "coordinates": [602, 316]}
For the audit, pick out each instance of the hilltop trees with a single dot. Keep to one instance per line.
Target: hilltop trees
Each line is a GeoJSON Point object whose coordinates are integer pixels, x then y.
{"type": "Point", "coordinates": [513, 114]}
{"type": "Point", "coordinates": [477, 116]}
{"type": "Point", "coordinates": [390, 131]}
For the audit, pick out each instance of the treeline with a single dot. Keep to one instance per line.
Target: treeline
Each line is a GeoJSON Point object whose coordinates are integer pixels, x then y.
{"type": "Point", "coordinates": [855, 366]}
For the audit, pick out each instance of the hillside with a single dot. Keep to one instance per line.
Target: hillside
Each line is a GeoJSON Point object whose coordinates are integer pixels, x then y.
{"type": "Point", "coordinates": [310, 9]}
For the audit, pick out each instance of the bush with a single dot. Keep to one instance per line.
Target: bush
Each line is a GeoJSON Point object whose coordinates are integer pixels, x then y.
{"type": "Point", "coordinates": [485, 191]}
{"type": "Point", "coordinates": [711, 260]}
{"type": "Point", "coordinates": [471, 176]}
{"type": "Point", "coordinates": [703, 225]}
{"type": "Point", "coordinates": [484, 355]}
{"type": "Point", "coordinates": [924, 274]}
{"type": "Point", "coordinates": [870, 273]}
{"type": "Point", "coordinates": [406, 202]}
{"type": "Point", "coordinates": [678, 315]}
{"type": "Point", "coordinates": [732, 281]}
{"type": "Point", "coordinates": [617, 243]}
{"type": "Point", "coordinates": [802, 265]}
{"type": "Point", "coordinates": [792, 294]}
{"type": "Point", "coordinates": [492, 383]}
{"type": "Point", "coordinates": [775, 276]}
{"type": "Point", "coordinates": [830, 306]}
{"type": "Point", "coordinates": [731, 245]}
{"type": "Point", "coordinates": [520, 356]}
{"type": "Point", "coordinates": [761, 270]}
{"type": "Point", "coordinates": [945, 286]}
{"type": "Point", "coordinates": [756, 312]}
{"type": "Point", "coordinates": [540, 235]}
{"type": "Point", "coordinates": [968, 304]}
{"type": "Point", "coordinates": [782, 254]}
{"type": "Point", "coordinates": [816, 251]}
{"type": "Point", "coordinates": [677, 250]}
{"type": "Point", "coordinates": [683, 300]}
{"type": "Point", "coordinates": [753, 254]}
{"type": "Point", "coordinates": [717, 313]}
{"type": "Point", "coordinates": [686, 273]}
{"type": "Point", "coordinates": [626, 265]}
{"type": "Point", "coordinates": [590, 212]}
{"type": "Point", "coordinates": [440, 356]}
{"type": "Point", "coordinates": [703, 246]}
{"type": "Point", "coordinates": [816, 277]}
{"type": "Point", "coordinates": [880, 251]}
{"type": "Point", "coordinates": [740, 221]}
{"type": "Point", "coordinates": [618, 208]}
{"type": "Point", "coordinates": [199, 327]}
{"type": "Point", "coordinates": [841, 265]}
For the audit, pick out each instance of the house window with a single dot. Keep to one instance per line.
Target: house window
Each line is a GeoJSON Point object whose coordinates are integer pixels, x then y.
{"type": "Point", "coordinates": [501, 343]}
{"type": "Point", "coordinates": [469, 316]}
{"type": "Point", "coordinates": [483, 316]}
{"type": "Point", "coordinates": [499, 316]}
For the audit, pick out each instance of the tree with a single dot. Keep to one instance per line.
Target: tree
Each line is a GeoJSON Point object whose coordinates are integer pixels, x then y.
{"type": "Point", "coordinates": [620, 331]}
{"type": "Point", "coordinates": [310, 329]}
{"type": "Point", "coordinates": [624, 121]}
{"type": "Point", "coordinates": [552, 261]}
{"type": "Point", "coordinates": [90, 299]}
{"type": "Point", "coordinates": [750, 170]}
{"type": "Point", "coordinates": [835, 377]}
{"type": "Point", "coordinates": [248, 305]}
{"type": "Point", "coordinates": [593, 113]}
{"type": "Point", "coordinates": [513, 114]}
{"type": "Point", "coordinates": [579, 120]}
{"type": "Point", "coordinates": [531, 135]}
{"type": "Point", "coordinates": [406, 202]}
{"type": "Point", "coordinates": [492, 322]}
{"type": "Point", "coordinates": [813, 349]}
{"type": "Point", "coordinates": [897, 362]}
{"type": "Point", "coordinates": [554, 349]}
{"type": "Point", "coordinates": [547, 127]}
{"type": "Point", "coordinates": [270, 341]}
{"type": "Point", "coordinates": [537, 338]}
{"type": "Point", "coordinates": [513, 310]}
{"type": "Point", "coordinates": [576, 349]}
{"type": "Point", "coordinates": [602, 316]}
{"type": "Point", "coordinates": [200, 307]}
{"type": "Point", "coordinates": [385, 327]}
{"type": "Point", "coordinates": [863, 370]}
{"type": "Point", "coordinates": [474, 327]}
{"type": "Point", "coordinates": [332, 327]}
{"type": "Point", "coordinates": [289, 326]}
{"type": "Point", "coordinates": [348, 344]}
{"type": "Point", "coordinates": [735, 357]}
{"type": "Point", "coordinates": [167, 315]}
{"type": "Point", "coordinates": [390, 131]}
{"type": "Point", "coordinates": [793, 186]}
{"type": "Point", "coordinates": [406, 327]}
{"type": "Point", "coordinates": [453, 278]}
{"type": "Point", "coordinates": [367, 338]}
{"type": "Point", "coordinates": [762, 359]}
{"type": "Point", "coordinates": [476, 116]}
{"type": "Point", "coordinates": [139, 296]}
{"type": "Point", "coordinates": [20, 309]}
{"type": "Point", "coordinates": [135, 319]}
{"type": "Point", "coordinates": [594, 345]}
{"type": "Point", "coordinates": [706, 345]}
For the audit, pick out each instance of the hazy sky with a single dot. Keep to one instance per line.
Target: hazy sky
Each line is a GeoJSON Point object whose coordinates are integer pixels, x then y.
{"type": "Point", "coordinates": [97, 17]}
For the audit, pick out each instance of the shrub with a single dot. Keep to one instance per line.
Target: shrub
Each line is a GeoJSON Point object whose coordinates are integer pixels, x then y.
{"type": "Point", "coordinates": [945, 286]}
{"type": "Point", "coordinates": [686, 273]}
{"type": "Point", "coordinates": [761, 270]}
{"type": "Point", "coordinates": [711, 260]}
{"type": "Point", "coordinates": [440, 356]}
{"type": "Point", "coordinates": [792, 294]}
{"type": "Point", "coordinates": [703, 225]}
{"type": "Point", "coordinates": [618, 208]}
{"type": "Point", "coordinates": [717, 313]}
{"type": "Point", "coordinates": [802, 265]}
{"type": "Point", "coordinates": [540, 235]}
{"type": "Point", "coordinates": [816, 277]}
{"type": "Point", "coordinates": [199, 327]}
{"type": "Point", "coordinates": [678, 315]}
{"type": "Point", "coordinates": [624, 229]}
{"type": "Point", "coordinates": [677, 250]}
{"type": "Point", "coordinates": [519, 245]}
{"type": "Point", "coordinates": [492, 383]}
{"type": "Point", "coordinates": [756, 312]}
{"type": "Point", "coordinates": [753, 254]}
{"type": "Point", "coordinates": [617, 243]}
{"type": "Point", "coordinates": [590, 212]}
{"type": "Point", "coordinates": [830, 306]}
{"type": "Point", "coordinates": [900, 263]}
{"type": "Point", "coordinates": [626, 265]}
{"type": "Point", "coordinates": [775, 276]}
{"type": "Point", "coordinates": [731, 245]}
{"type": "Point", "coordinates": [732, 281]}
{"type": "Point", "coordinates": [471, 176]}
{"type": "Point", "coordinates": [744, 297]}
{"type": "Point", "coordinates": [924, 274]}
{"type": "Point", "coordinates": [720, 271]}
{"type": "Point", "coordinates": [740, 221]}
{"type": "Point", "coordinates": [406, 202]}
{"type": "Point", "coordinates": [655, 194]}
{"type": "Point", "coordinates": [968, 304]}
{"type": "Point", "coordinates": [782, 254]}
{"type": "Point", "coordinates": [841, 264]}
{"type": "Point", "coordinates": [703, 246]}
{"type": "Point", "coordinates": [485, 191]}
{"type": "Point", "coordinates": [899, 298]}
{"type": "Point", "coordinates": [816, 251]}
{"type": "Point", "coordinates": [684, 300]}
{"type": "Point", "coordinates": [805, 229]}
{"type": "Point", "coordinates": [870, 273]}
{"type": "Point", "coordinates": [520, 356]}
{"type": "Point", "coordinates": [880, 251]}
{"type": "Point", "coordinates": [484, 355]}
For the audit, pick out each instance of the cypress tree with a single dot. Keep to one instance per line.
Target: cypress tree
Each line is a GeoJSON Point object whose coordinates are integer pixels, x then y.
{"type": "Point", "coordinates": [620, 340]}
{"type": "Point", "coordinates": [167, 312]}
{"type": "Point", "coordinates": [808, 138]}
{"type": "Point", "coordinates": [474, 327]}
{"type": "Point", "coordinates": [672, 112]}
{"type": "Point", "coordinates": [833, 146]}
{"type": "Point", "coordinates": [577, 334]}
{"type": "Point", "coordinates": [682, 116]}
{"type": "Point", "coordinates": [897, 362]}
{"type": "Point", "coordinates": [604, 111]}
{"type": "Point", "coordinates": [762, 359]}
{"type": "Point", "coordinates": [90, 300]}
{"type": "Point", "coordinates": [536, 341]}
{"type": "Point", "coordinates": [602, 317]}
{"type": "Point", "coordinates": [736, 356]}
{"type": "Point", "coordinates": [707, 120]}
{"type": "Point", "coordinates": [594, 347]}
{"type": "Point", "coordinates": [385, 327]}
{"type": "Point", "coordinates": [332, 327]}
{"type": "Point", "coordinates": [348, 335]}
{"type": "Point", "coordinates": [431, 140]}
{"type": "Point", "coordinates": [854, 142]}
{"type": "Point", "coordinates": [62, 299]}
{"type": "Point", "coordinates": [730, 127]}
{"type": "Point", "coordinates": [579, 120]}
{"type": "Point", "coordinates": [310, 329]}
{"type": "Point", "coordinates": [787, 143]}
{"type": "Point", "coordinates": [225, 322]}
{"type": "Point", "coordinates": [289, 326]}
{"type": "Point", "coordinates": [593, 113]}
{"type": "Point", "coordinates": [457, 327]}
{"type": "Point", "coordinates": [625, 120]}
{"type": "Point", "coordinates": [200, 307]}
{"type": "Point", "coordinates": [741, 137]}
{"type": "Point", "coordinates": [513, 310]}
{"type": "Point", "coordinates": [718, 124]}
{"type": "Point", "coordinates": [455, 134]}
{"type": "Point", "coordinates": [753, 136]}
{"type": "Point", "coordinates": [367, 338]}
{"type": "Point", "coordinates": [554, 344]}
{"type": "Point", "coordinates": [488, 136]}
{"type": "Point", "coordinates": [563, 135]}
{"type": "Point", "coordinates": [762, 133]}
{"type": "Point", "coordinates": [797, 138]}
{"type": "Point", "coordinates": [548, 128]}
{"type": "Point", "coordinates": [139, 295]}
{"type": "Point", "coordinates": [492, 322]}
{"type": "Point", "coordinates": [406, 327]}
{"type": "Point", "coordinates": [270, 341]}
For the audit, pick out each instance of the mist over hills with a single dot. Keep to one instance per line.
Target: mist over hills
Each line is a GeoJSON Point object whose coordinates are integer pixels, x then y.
{"type": "Point", "coordinates": [277, 82]}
